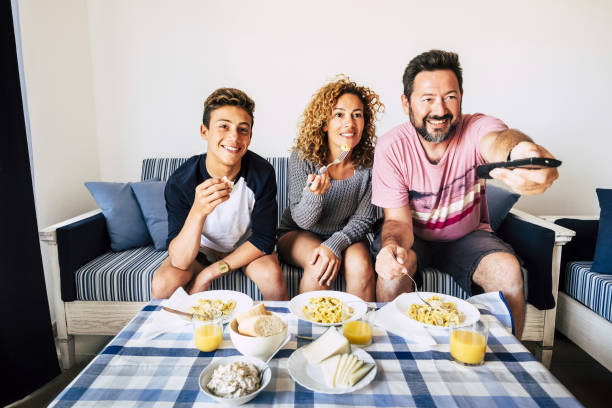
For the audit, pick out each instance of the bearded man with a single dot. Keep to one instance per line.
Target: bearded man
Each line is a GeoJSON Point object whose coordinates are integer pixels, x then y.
{"type": "Point", "coordinates": [435, 207]}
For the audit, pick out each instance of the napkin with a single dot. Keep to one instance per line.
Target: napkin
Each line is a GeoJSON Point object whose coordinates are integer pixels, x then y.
{"type": "Point", "coordinates": [389, 318]}
{"type": "Point", "coordinates": [165, 322]}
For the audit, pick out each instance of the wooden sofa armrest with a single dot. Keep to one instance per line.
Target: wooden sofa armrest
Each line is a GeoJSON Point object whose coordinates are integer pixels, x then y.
{"type": "Point", "coordinates": [74, 242]}
{"type": "Point", "coordinates": [48, 234]}
{"type": "Point", "coordinates": [538, 243]}
{"type": "Point", "coordinates": [562, 234]}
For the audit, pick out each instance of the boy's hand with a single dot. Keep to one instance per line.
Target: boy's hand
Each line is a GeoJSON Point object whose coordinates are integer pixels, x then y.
{"type": "Point", "coordinates": [209, 195]}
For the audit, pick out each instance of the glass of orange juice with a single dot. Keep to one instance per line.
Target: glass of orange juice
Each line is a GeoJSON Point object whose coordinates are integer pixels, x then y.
{"type": "Point", "coordinates": [469, 343]}
{"type": "Point", "coordinates": [207, 330]}
{"type": "Point", "coordinates": [357, 331]}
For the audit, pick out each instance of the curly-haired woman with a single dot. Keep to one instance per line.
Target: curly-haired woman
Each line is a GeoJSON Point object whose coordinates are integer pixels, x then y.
{"type": "Point", "coordinates": [324, 229]}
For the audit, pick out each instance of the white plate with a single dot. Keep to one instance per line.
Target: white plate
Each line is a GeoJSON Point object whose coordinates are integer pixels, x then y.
{"type": "Point", "coordinates": [311, 377]}
{"type": "Point", "coordinates": [405, 300]}
{"type": "Point", "coordinates": [243, 302]}
{"type": "Point", "coordinates": [296, 304]}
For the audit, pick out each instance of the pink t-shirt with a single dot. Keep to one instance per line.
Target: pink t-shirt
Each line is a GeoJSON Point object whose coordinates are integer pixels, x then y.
{"type": "Point", "coordinates": [447, 199]}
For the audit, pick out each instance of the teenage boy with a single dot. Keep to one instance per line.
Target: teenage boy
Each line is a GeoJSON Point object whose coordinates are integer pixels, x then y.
{"type": "Point", "coordinates": [222, 207]}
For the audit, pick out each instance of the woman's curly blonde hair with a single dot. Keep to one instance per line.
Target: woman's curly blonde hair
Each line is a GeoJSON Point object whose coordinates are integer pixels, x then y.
{"type": "Point", "coordinates": [311, 141]}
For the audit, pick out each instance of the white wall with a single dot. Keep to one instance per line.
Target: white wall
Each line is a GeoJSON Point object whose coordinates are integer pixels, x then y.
{"type": "Point", "coordinates": [58, 78]}
{"type": "Point", "coordinates": [543, 67]}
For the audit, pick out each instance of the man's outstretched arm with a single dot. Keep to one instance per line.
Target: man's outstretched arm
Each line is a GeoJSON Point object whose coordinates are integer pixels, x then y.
{"type": "Point", "coordinates": [511, 144]}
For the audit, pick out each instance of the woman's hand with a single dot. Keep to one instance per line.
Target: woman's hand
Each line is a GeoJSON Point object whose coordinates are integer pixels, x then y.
{"type": "Point", "coordinates": [329, 265]}
{"type": "Point", "coordinates": [320, 184]}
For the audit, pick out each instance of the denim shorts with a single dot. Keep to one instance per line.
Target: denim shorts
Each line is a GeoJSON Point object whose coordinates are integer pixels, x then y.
{"type": "Point", "coordinates": [458, 258]}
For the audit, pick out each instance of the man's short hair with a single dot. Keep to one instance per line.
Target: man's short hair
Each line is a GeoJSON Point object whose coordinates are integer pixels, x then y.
{"type": "Point", "coordinates": [432, 60]}
{"type": "Point", "coordinates": [224, 97]}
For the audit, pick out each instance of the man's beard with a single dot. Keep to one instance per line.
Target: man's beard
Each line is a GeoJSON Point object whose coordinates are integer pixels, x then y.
{"type": "Point", "coordinates": [434, 137]}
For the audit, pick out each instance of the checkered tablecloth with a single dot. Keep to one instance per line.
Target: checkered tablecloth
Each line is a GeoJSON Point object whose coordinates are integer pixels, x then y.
{"type": "Point", "coordinates": [164, 372]}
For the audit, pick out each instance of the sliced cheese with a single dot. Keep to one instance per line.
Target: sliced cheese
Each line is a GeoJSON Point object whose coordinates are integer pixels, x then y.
{"type": "Point", "coordinates": [326, 345]}
{"type": "Point", "coordinates": [330, 368]}
{"type": "Point", "coordinates": [359, 374]}
{"type": "Point", "coordinates": [343, 370]}
{"type": "Point", "coordinates": [345, 380]}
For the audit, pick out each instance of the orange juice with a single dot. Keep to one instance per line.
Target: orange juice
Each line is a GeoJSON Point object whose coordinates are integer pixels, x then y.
{"type": "Point", "coordinates": [357, 332]}
{"type": "Point", "coordinates": [467, 346]}
{"type": "Point", "coordinates": [208, 337]}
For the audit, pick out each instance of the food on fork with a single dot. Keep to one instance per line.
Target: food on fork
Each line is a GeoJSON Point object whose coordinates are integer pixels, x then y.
{"type": "Point", "coordinates": [440, 314]}
{"type": "Point", "coordinates": [345, 148]}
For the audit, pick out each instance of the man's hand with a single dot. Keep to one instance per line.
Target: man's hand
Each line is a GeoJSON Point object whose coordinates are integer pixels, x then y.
{"type": "Point", "coordinates": [390, 261]}
{"type": "Point", "coordinates": [329, 265]}
{"type": "Point", "coordinates": [210, 194]}
{"type": "Point", "coordinates": [320, 184]}
{"type": "Point", "coordinates": [527, 181]}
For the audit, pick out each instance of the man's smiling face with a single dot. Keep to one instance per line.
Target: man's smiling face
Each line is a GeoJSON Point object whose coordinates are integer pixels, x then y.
{"type": "Point", "coordinates": [228, 135]}
{"type": "Point", "coordinates": [435, 104]}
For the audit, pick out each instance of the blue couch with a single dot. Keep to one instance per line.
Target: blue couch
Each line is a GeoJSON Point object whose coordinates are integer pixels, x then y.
{"type": "Point", "coordinates": [97, 291]}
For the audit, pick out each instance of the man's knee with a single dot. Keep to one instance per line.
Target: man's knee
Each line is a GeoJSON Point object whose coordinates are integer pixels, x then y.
{"type": "Point", "coordinates": [499, 271]}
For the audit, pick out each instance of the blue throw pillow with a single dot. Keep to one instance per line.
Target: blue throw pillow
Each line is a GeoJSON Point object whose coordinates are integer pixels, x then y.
{"type": "Point", "coordinates": [603, 249]}
{"type": "Point", "coordinates": [126, 226]}
{"type": "Point", "coordinates": [499, 202]}
{"type": "Point", "coordinates": [150, 196]}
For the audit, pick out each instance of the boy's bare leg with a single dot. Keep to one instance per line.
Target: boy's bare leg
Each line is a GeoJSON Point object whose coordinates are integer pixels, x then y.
{"type": "Point", "coordinates": [359, 272]}
{"type": "Point", "coordinates": [167, 279]}
{"type": "Point", "coordinates": [268, 276]}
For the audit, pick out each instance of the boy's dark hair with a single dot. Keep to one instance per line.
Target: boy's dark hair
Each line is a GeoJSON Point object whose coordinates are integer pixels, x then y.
{"type": "Point", "coordinates": [224, 97]}
{"type": "Point", "coordinates": [432, 60]}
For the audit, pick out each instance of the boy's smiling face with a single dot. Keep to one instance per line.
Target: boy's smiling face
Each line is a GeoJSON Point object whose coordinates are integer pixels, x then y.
{"type": "Point", "coordinates": [228, 137]}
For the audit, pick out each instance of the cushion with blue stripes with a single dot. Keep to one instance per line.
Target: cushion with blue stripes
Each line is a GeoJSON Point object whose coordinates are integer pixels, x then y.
{"type": "Point", "coordinates": [594, 290]}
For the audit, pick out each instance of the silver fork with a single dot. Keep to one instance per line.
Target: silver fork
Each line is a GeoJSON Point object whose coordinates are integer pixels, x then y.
{"type": "Point", "coordinates": [323, 169]}
{"type": "Point", "coordinates": [416, 290]}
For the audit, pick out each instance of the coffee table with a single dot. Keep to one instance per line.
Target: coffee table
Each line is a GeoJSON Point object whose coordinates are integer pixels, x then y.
{"type": "Point", "coordinates": [164, 371]}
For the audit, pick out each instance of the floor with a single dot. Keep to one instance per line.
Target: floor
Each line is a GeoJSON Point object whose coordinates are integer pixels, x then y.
{"type": "Point", "coordinates": [589, 381]}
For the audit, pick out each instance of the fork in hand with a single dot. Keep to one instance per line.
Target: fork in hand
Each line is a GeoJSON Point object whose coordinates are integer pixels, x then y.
{"type": "Point", "coordinates": [323, 169]}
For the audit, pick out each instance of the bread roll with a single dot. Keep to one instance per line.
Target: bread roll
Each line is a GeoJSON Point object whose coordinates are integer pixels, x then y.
{"type": "Point", "coordinates": [259, 310]}
{"type": "Point", "coordinates": [261, 326]}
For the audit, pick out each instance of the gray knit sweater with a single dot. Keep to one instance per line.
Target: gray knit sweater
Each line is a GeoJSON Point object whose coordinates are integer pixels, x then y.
{"type": "Point", "coordinates": [342, 216]}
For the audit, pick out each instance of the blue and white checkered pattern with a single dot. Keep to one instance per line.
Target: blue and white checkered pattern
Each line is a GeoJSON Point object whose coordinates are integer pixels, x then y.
{"type": "Point", "coordinates": [594, 290]}
{"type": "Point", "coordinates": [164, 372]}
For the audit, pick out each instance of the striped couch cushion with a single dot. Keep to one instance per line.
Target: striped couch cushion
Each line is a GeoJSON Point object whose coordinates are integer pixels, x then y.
{"type": "Point", "coordinates": [594, 290]}
{"type": "Point", "coordinates": [126, 277]}
{"type": "Point", "coordinates": [119, 276]}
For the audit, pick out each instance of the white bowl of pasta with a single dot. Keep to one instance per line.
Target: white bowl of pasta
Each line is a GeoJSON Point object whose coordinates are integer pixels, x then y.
{"type": "Point", "coordinates": [448, 310]}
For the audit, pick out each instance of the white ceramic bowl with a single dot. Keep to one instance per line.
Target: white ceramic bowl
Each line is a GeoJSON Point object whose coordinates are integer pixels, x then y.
{"type": "Point", "coordinates": [258, 347]}
{"type": "Point", "coordinates": [208, 372]}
